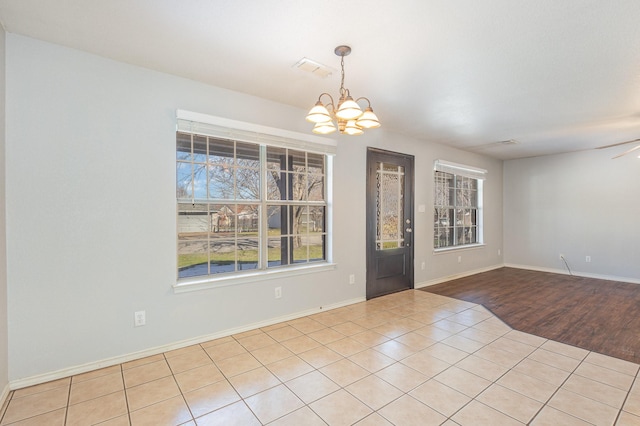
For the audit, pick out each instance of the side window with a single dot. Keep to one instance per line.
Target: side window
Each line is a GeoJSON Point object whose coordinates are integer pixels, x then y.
{"type": "Point", "coordinates": [457, 208]}
{"type": "Point", "coordinates": [244, 206]}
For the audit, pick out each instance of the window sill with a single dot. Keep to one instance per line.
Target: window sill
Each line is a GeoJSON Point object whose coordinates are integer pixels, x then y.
{"type": "Point", "coordinates": [188, 285]}
{"type": "Point", "coordinates": [458, 248]}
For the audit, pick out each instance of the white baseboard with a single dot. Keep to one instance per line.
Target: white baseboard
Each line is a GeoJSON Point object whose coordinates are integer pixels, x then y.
{"type": "Point", "coordinates": [575, 273]}
{"type": "Point", "coordinates": [456, 276]}
{"type": "Point", "coordinates": [79, 369]}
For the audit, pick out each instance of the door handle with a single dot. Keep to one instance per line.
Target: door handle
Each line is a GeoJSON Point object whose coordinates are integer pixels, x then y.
{"type": "Point", "coordinates": [409, 230]}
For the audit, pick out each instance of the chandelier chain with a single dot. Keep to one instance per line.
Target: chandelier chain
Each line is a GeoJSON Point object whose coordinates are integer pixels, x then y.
{"type": "Point", "coordinates": [342, 80]}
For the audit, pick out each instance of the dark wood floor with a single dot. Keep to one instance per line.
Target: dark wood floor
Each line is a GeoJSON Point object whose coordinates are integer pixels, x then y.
{"type": "Point", "coordinates": [598, 315]}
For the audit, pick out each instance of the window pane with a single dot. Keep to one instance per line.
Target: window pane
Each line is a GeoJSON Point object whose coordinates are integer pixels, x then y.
{"type": "Point", "coordinates": [317, 247]}
{"type": "Point", "coordinates": [192, 257]}
{"type": "Point", "coordinates": [280, 220]}
{"type": "Point", "coordinates": [247, 184]}
{"type": "Point", "coordinates": [193, 221]}
{"type": "Point", "coordinates": [248, 217]}
{"type": "Point", "coordinates": [221, 182]}
{"type": "Point", "coordinates": [200, 181]}
{"type": "Point", "coordinates": [248, 253]}
{"type": "Point", "coordinates": [301, 219]}
{"type": "Point", "coordinates": [276, 159]}
{"type": "Point", "coordinates": [274, 254]}
{"type": "Point", "coordinates": [473, 198]}
{"type": "Point", "coordinates": [298, 161]}
{"type": "Point", "coordinates": [315, 163]}
{"type": "Point", "coordinates": [220, 152]}
{"type": "Point", "coordinates": [315, 187]}
{"type": "Point", "coordinates": [275, 183]}
{"type": "Point", "coordinates": [299, 186]}
{"type": "Point", "coordinates": [473, 232]}
{"type": "Point", "coordinates": [222, 256]}
{"type": "Point", "coordinates": [193, 226]}
{"type": "Point", "coordinates": [317, 219]}
{"type": "Point", "coordinates": [274, 218]}
{"type": "Point", "coordinates": [300, 248]}
{"type": "Point", "coordinates": [223, 221]}
{"type": "Point", "coordinates": [183, 151]}
{"type": "Point", "coordinates": [248, 155]}
{"type": "Point", "coordinates": [199, 149]}
{"type": "Point", "coordinates": [184, 184]}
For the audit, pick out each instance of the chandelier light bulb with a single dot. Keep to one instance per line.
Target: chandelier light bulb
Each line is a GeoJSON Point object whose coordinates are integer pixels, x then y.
{"type": "Point", "coordinates": [318, 113]}
{"type": "Point", "coordinates": [352, 128]}
{"type": "Point", "coordinates": [324, 128]}
{"type": "Point", "coordinates": [368, 120]}
{"type": "Point", "coordinates": [349, 109]}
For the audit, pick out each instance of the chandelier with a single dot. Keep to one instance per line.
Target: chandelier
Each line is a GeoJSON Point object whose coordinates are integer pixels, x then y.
{"type": "Point", "coordinates": [347, 114]}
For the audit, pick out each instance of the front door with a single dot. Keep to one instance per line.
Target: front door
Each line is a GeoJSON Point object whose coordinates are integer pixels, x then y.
{"type": "Point", "coordinates": [389, 222]}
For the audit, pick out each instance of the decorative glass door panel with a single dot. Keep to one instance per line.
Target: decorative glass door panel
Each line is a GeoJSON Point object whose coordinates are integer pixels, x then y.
{"type": "Point", "coordinates": [389, 206]}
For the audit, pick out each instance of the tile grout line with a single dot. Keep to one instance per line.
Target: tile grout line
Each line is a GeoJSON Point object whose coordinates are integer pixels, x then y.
{"type": "Point", "coordinates": [173, 375]}
{"type": "Point", "coordinates": [66, 409]}
{"type": "Point", "coordinates": [5, 405]}
{"type": "Point", "coordinates": [635, 379]}
{"type": "Point", "coordinates": [126, 398]}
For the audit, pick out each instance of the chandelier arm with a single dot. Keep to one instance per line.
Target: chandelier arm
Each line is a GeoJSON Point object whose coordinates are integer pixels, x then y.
{"type": "Point", "coordinates": [332, 103]}
{"type": "Point", "coordinates": [366, 99]}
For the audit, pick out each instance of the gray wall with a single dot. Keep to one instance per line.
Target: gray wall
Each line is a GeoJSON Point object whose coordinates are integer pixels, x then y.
{"type": "Point", "coordinates": [91, 212]}
{"type": "Point", "coordinates": [578, 204]}
{"type": "Point", "coordinates": [4, 361]}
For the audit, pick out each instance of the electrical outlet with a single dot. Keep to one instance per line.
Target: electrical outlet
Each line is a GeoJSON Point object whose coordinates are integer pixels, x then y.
{"type": "Point", "coordinates": [278, 292]}
{"type": "Point", "coordinates": [561, 256]}
{"type": "Point", "coordinates": [423, 265]}
{"type": "Point", "coordinates": [139, 318]}
{"type": "Point", "coordinates": [352, 279]}
{"type": "Point", "coordinates": [587, 259]}
{"type": "Point", "coordinates": [459, 259]}
{"type": "Point", "coordinates": [499, 252]}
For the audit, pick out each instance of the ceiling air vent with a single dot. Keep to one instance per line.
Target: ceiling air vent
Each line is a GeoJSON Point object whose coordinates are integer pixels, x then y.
{"type": "Point", "coordinates": [315, 68]}
{"type": "Point", "coordinates": [494, 145]}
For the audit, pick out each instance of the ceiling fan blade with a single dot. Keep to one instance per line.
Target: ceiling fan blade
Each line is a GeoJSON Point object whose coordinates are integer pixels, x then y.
{"type": "Point", "coordinates": [629, 151]}
{"type": "Point", "coordinates": [618, 144]}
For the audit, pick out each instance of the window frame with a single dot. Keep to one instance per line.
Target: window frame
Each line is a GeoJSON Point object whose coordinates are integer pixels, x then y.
{"type": "Point", "coordinates": [459, 171]}
{"type": "Point", "coordinates": [264, 137]}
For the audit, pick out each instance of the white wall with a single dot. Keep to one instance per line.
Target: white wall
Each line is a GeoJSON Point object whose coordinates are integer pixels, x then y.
{"type": "Point", "coordinates": [4, 362]}
{"type": "Point", "coordinates": [91, 211]}
{"type": "Point", "coordinates": [578, 204]}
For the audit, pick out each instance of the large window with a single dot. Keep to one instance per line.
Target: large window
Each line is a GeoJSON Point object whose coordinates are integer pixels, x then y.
{"type": "Point", "coordinates": [457, 205]}
{"type": "Point", "coordinates": [247, 206]}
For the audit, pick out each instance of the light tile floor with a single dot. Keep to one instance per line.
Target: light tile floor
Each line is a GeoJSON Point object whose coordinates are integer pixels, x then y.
{"type": "Point", "coordinates": [411, 358]}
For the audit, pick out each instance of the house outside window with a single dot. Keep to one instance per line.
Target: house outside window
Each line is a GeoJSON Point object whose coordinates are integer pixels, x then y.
{"type": "Point", "coordinates": [457, 205]}
{"type": "Point", "coordinates": [248, 206]}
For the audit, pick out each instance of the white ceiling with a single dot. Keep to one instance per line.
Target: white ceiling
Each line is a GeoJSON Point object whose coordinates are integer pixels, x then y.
{"type": "Point", "coordinates": [556, 76]}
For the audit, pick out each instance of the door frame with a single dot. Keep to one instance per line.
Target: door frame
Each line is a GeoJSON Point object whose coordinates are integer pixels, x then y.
{"type": "Point", "coordinates": [374, 155]}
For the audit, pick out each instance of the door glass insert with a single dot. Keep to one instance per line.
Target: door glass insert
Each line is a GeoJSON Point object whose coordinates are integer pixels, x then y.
{"type": "Point", "coordinates": [389, 206]}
